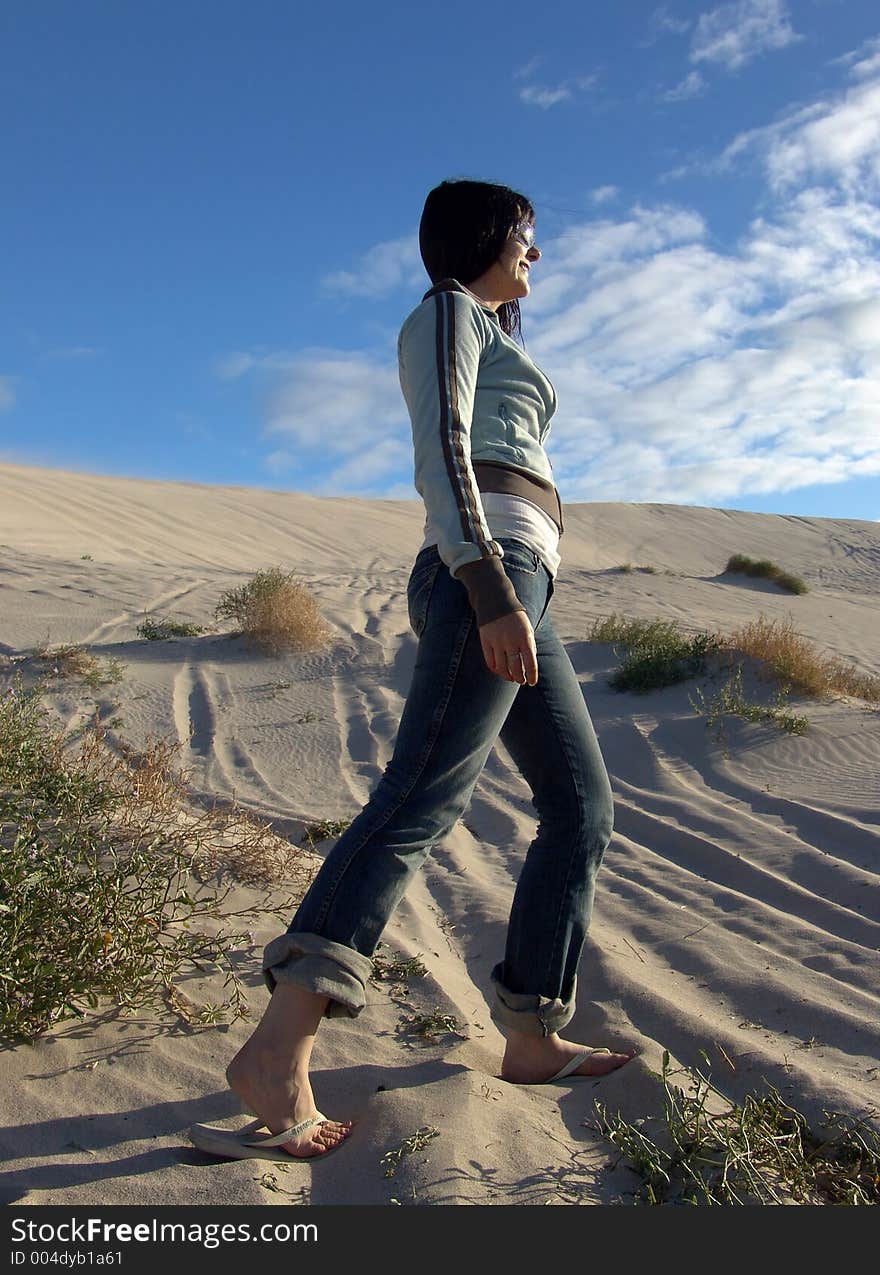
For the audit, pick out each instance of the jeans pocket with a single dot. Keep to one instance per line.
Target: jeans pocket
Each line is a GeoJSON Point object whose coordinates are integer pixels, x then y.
{"type": "Point", "coordinates": [519, 555]}
{"type": "Point", "coordinates": [419, 589]}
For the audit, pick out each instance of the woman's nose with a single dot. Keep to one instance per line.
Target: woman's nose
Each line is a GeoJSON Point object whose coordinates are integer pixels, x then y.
{"type": "Point", "coordinates": [533, 253]}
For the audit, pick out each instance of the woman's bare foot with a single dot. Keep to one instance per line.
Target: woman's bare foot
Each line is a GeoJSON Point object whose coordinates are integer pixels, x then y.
{"type": "Point", "coordinates": [532, 1060]}
{"type": "Point", "coordinates": [270, 1073]}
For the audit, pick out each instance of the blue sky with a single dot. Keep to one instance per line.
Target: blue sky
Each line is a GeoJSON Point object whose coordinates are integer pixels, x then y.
{"type": "Point", "coordinates": [209, 232]}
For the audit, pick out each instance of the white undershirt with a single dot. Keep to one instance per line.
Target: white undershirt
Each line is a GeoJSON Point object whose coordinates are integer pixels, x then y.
{"type": "Point", "coordinates": [508, 515]}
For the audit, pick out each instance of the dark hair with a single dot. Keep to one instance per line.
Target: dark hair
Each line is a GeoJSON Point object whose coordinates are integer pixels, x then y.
{"type": "Point", "coordinates": [464, 227]}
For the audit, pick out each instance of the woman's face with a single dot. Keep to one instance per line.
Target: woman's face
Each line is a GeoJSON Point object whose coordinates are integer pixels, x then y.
{"type": "Point", "coordinates": [510, 273]}
{"type": "Point", "coordinates": [517, 258]}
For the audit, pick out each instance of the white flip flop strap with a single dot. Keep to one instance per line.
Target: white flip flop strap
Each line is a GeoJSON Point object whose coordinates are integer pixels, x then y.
{"type": "Point", "coordinates": [278, 1139]}
{"type": "Point", "coordinates": [572, 1064]}
{"type": "Point", "coordinates": [575, 1062]}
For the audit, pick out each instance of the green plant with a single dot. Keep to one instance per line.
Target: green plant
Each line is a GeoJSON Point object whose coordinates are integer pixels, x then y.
{"type": "Point", "coordinates": [108, 675]}
{"type": "Point", "coordinates": [154, 630]}
{"type": "Point", "coordinates": [730, 699]}
{"type": "Point", "coordinates": [323, 830]}
{"type": "Point", "coordinates": [760, 1151]}
{"type": "Point", "coordinates": [416, 1142]}
{"type": "Point", "coordinates": [397, 969]}
{"type": "Point", "coordinates": [84, 919]}
{"type": "Point", "coordinates": [73, 660]}
{"type": "Point", "coordinates": [656, 653]}
{"type": "Point", "coordinates": [431, 1025]}
{"type": "Point", "coordinates": [104, 884]}
{"type": "Point", "coordinates": [767, 570]}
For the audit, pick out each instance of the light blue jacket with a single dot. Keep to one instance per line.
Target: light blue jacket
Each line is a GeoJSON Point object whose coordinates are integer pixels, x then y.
{"type": "Point", "coordinates": [480, 411]}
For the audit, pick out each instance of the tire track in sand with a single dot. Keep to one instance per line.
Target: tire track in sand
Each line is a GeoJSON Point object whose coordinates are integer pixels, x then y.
{"type": "Point", "coordinates": [201, 694]}
{"type": "Point", "coordinates": [109, 627]}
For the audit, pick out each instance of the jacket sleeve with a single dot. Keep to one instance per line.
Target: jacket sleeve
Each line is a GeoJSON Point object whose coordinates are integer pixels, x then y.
{"type": "Point", "coordinates": [439, 351]}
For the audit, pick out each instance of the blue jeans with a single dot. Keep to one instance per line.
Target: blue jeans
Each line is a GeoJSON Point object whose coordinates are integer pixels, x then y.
{"type": "Point", "coordinates": [455, 710]}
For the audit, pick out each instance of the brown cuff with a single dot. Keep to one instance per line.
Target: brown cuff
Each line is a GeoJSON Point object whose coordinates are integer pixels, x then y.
{"type": "Point", "coordinates": [489, 589]}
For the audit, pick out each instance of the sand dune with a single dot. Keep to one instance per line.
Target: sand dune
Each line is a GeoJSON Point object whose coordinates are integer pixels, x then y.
{"type": "Point", "coordinates": [737, 909]}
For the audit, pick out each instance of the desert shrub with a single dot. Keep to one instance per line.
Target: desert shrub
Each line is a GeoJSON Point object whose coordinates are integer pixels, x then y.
{"type": "Point", "coordinates": [276, 610]}
{"type": "Point", "coordinates": [730, 699]}
{"type": "Point", "coordinates": [794, 660]}
{"type": "Point", "coordinates": [657, 654]}
{"type": "Point", "coordinates": [105, 876]}
{"type": "Point", "coordinates": [74, 660]}
{"type": "Point", "coordinates": [708, 1150]}
{"type": "Point", "coordinates": [766, 570]}
{"type": "Point", "coordinates": [155, 630]}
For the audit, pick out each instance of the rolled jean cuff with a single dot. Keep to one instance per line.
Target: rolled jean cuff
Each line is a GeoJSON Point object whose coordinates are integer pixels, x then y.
{"type": "Point", "coordinates": [525, 1012]}
{"type": "Point", "coordinates": [321, 966]}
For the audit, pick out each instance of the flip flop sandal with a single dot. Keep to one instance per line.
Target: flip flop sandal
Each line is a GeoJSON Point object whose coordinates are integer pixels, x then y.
{"type": "Point", "coordinates": [573, 1063]}
{"type": "Point", "coordinates": [248, 1144]}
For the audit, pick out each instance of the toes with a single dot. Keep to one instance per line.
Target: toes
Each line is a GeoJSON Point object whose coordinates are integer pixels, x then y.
{"type": "Point", "coordinates": [325, 1138]}
{"type": "Point", "coordinates": [331, 1133]}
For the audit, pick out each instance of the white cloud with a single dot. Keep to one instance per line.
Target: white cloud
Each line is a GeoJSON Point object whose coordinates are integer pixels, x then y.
{"type": "Point", "coordinates": [864, 60]}
{"type": "Point", "coordinates": [231, 366]}
{"type": "Point", "coordinates": [838, 139]}
{"type": "Point", "coordinates": [692, 85]}
{"type": "Point", "coordinates": [381, 270]}
{"type": "Point", "coordinates": [7, 394]}
{"type": "Point", "coordinates": [369, 472]}
{"type": "Point", "coordinates": [687, 372]}
{"type": "Point", "coordinates": [602, 194]}
{"type": "Point", "coordinates": [545, 97]}
{"type": "Point", "coordinates": [530, 67]}
{"type": "Point", "coordinates": [843, 143]}
{"type": "Point", "coordinates": [337, 409]}
{"type": "Point", "coordinates": [734, 34]}
{"type": "Point", "coordinates": [333, 400]}
{"type": "Point", "coordinates": [663, 21]}
{"type": "Point", "coordinates": [586, 256]}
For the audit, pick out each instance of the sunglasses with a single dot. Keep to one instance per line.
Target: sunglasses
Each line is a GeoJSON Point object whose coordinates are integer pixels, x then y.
{"type": "Point", "coordinates": [525, 234]}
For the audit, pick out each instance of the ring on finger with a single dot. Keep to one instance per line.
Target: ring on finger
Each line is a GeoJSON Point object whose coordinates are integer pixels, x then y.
{"type": "Point", "coordinates": [522, 663]}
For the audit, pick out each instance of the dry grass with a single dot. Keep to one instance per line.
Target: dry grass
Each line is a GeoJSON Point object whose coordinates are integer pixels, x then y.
{"type": "Point", "coordinates": [659, 654]}
{"type": "Point", "coordinates": [709, 1150]}
{"type": "Point", "coordinates": [277, 611]}
{"type": "Point", "coordinates": [72, 660]}
{"type": "Point", "coordinates": [792, 659]}
{"type": "Point", "coordinates": [151, 792]}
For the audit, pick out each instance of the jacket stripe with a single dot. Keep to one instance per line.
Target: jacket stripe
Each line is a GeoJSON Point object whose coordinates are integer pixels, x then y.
{"type": "Point", "coordinates": [460, 477]}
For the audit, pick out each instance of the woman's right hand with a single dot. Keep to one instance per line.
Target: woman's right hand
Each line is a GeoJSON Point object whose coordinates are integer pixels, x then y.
{"type": "Point", "coordinates": [506, 639]}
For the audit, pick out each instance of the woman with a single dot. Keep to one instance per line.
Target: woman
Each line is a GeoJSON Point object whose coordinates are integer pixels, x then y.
{"type": "Point", "coordinates": [489, 663]}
